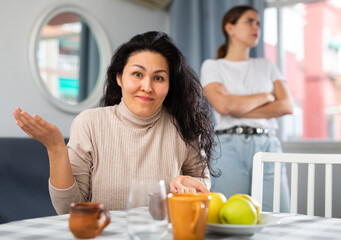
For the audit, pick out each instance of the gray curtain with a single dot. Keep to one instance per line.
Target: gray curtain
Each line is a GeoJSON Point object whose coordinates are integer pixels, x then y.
{"type": "Point", "coordinates": [195, 26]}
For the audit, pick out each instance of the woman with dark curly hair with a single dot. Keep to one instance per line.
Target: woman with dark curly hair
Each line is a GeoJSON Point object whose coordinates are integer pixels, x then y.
{"type": "Point", "coordinates": [153, 123]}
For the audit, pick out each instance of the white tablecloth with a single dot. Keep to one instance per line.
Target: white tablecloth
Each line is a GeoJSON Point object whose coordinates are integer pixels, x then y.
{"type": "Point", "coordinates": [290, 227]}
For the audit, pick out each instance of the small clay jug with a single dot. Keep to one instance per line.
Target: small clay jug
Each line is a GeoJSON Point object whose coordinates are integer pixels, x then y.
{"type": "Point", "coordinates": [87, 219]}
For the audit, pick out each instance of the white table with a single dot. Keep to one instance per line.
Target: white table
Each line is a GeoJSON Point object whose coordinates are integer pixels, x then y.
{"type": "Point", "coordinates": [290, 227]}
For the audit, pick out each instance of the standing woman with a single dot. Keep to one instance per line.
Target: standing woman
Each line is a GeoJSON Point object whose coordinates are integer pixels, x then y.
{"type": "Point", "coordinates": [247, 94]}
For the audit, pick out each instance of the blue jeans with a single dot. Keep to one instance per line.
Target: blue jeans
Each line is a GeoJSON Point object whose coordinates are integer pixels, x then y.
{"type": "Point", "coordinates": [234, 156]}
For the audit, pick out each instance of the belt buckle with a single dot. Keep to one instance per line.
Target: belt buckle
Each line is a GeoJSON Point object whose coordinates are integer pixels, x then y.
{"type": "Point", "coordinates": [249, 130]}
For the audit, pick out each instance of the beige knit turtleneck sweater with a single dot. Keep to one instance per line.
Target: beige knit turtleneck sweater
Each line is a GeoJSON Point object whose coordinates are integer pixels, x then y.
{"type": "Point", "coordinates": [110, 146]}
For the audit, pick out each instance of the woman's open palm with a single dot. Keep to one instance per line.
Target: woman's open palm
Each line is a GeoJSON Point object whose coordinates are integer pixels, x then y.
{"type": "Point", "coordinates": [39, 129]}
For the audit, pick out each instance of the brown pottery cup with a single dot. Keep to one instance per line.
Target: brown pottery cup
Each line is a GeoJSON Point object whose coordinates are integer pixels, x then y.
{"type": "Point", "coordinates": [88, 219]}
{"type": "Point", "coordinates": [188, 213]}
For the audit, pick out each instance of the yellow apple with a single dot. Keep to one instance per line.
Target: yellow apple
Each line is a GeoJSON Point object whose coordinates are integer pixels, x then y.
{"type": "Point", "coordinates": [252, 200]}
{"type": "Point", "coordinates": [217, 201]}
{"type": "Point", "coordinates": [238, 210]}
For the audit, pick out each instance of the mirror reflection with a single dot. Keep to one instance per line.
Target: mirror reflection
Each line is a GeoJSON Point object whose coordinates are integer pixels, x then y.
{"type": "Point", "coordinates": [68, 58]}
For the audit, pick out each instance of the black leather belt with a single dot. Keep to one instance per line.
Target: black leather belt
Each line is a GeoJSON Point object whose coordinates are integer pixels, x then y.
{"type": "Point", "coordinates": [244, 130]}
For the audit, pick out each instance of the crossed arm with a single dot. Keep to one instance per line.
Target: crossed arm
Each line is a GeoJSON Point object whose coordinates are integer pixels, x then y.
{"type": "Point", "coordinates": [262, 105]}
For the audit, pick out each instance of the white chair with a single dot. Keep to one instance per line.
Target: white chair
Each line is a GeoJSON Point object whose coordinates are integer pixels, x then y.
{"type": "Point", "coordinates": [294, 159]}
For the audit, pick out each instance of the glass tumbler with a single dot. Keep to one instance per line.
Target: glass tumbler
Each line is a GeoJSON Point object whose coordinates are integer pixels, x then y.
{"type": "Point", "coordinates": [147, 214]}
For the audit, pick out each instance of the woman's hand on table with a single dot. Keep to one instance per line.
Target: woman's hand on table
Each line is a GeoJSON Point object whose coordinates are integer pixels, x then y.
{"type": "Point", "coordinates": [39, 129]}
{"type": "Point", "coordinates": [187, 184]}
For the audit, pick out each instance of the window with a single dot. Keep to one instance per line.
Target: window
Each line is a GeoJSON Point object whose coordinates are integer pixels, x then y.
{"type": "Point", "coordinates": [304, 39]}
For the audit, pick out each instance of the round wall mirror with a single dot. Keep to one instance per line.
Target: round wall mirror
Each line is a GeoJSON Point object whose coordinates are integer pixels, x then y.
{"type": "Point", "coordinates": [70, 56]}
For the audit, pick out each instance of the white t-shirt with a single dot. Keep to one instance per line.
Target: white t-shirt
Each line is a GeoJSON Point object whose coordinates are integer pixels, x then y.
{"type": "Point", "coordinates": [253, 76]}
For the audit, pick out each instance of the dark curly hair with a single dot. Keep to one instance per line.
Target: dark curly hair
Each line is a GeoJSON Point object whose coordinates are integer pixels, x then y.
{"type": "Point", "coordinates": [185, 100]}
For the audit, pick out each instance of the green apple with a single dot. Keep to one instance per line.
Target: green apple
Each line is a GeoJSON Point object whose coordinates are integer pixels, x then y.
{"type": "Point", "coordinates": [252, 200]}
{"type": "Point", "coordinates": [238, 210]}
{"type": "Point", "coordinates": [217, 201]}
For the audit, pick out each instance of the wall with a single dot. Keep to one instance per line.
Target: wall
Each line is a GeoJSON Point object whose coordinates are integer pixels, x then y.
{"type": "Point", "coordinates": [120, 19]}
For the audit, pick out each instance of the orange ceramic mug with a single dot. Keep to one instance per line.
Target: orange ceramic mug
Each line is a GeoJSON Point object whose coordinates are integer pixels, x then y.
{"type": "Point", "coordinates": [188, 213]}
{"type": "Point", "coordinates": [88, 219]}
